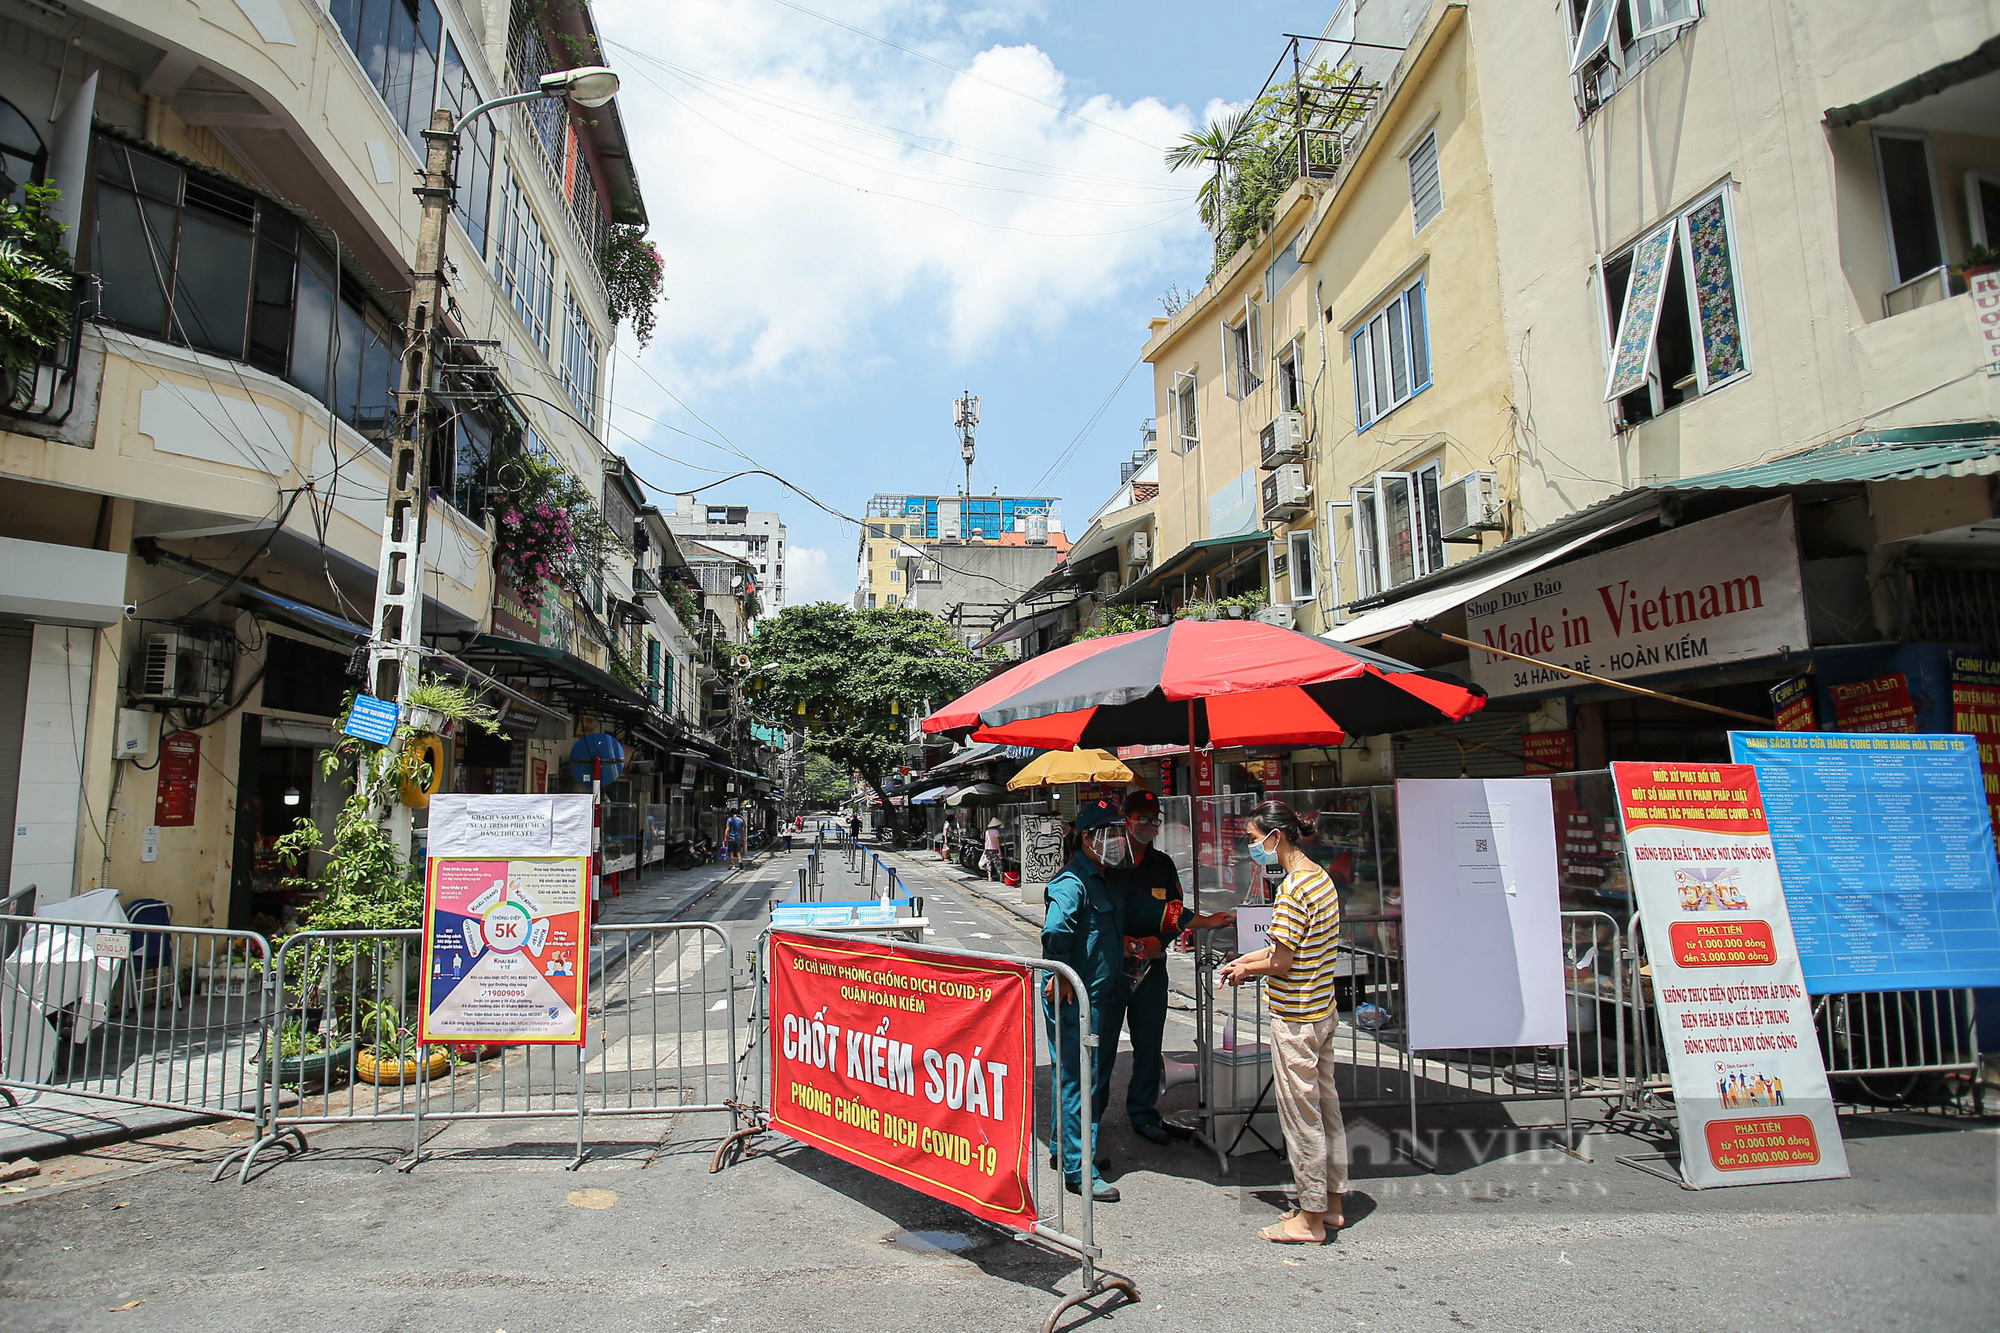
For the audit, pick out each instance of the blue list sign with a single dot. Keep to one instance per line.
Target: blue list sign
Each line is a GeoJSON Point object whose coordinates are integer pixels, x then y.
{"type": "Point", "coordinates": [372, 719]}
{"type": "Point", "coordinates": [1886, 852]}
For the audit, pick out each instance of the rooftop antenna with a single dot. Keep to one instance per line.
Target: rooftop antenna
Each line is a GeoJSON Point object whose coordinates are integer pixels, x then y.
{"type": "Point", "coordinates": [965, 415]}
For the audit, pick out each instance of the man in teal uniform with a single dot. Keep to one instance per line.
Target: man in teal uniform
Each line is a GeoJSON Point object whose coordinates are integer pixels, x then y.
{"type": "Point", "coordinates": [1154, 916]}
{"type": "Point", "coordinates": [1085, 928]}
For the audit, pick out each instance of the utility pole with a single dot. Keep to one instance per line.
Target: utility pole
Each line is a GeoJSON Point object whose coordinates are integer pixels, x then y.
{"type": "Point", "coordinates": [395, 648]}
{"type": "Point", "coordinates": [965, 414]}
{"type": "Point", "coordinates": [395, 639]}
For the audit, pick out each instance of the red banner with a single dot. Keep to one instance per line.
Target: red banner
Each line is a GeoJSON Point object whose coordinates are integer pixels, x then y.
{"type": "Point", "coordinates": [918, 1069]}
{"type": "Point", "coordinates": [1720, 799]}
{"type": "Point", "coordinates": [1548, 752]}
{"type": "Point", "coordinates": [1882, 704]}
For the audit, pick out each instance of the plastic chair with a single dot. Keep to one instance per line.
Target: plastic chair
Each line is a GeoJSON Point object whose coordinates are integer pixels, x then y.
{"type": "Point", "coordinates": [151, 953]}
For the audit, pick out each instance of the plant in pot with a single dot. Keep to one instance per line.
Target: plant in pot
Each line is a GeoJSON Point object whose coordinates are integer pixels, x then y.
{"type": "Point", "coordinates": [390, 1052]}
{"type": "Point", "coordinates": [435, 706]}
{"type": "Point", "coordinates": [309, 1059]}
{"type": "Point", "coordinates": [1978, 259]}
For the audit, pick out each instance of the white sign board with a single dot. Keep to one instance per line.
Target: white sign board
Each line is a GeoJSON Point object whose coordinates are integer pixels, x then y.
{"type": "Point", "coordinates": [1721, 590]}
{"type": "Point", "coordinates": [463, 824]}
{"type": "Point", "coordinates": [1482, 915]}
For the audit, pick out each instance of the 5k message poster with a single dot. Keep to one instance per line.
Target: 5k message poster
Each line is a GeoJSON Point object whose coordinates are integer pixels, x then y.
{"type": "Point", "coordinates": [1749, 1085]}
{"type": "Point", "coordinates": [915, 1066]}
{"type": "Point", "coordinates": [505, 945]}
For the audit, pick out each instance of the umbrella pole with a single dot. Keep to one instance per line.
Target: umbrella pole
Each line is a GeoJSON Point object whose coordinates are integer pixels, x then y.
{"type": "Point", "coordinates": [1204, 982]}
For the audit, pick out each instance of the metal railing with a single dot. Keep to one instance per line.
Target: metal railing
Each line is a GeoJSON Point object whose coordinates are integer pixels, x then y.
{"type": "Point", "coordinates": [174, 1017]}
{"type": "Point", "coordinates": [659, 1039]}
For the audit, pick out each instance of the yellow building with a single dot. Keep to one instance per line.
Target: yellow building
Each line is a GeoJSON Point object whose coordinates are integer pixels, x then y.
{"type": "Point", "coordinates": [191, 497]}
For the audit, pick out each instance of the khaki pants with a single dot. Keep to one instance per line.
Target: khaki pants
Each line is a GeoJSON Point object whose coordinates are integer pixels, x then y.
{"type": "Point", "coordinates": [1309, 1109]}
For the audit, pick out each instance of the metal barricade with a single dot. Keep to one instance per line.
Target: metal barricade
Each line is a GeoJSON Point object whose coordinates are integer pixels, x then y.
{"type": "Point", "coordinates": [658, 1039]}
{"type": "Point", "coordinates": [142, 1015]}
{"type": "Point", "coordinates": [1073, 1228]}
{"type": "Point", "coordinates": [1880, 1048]}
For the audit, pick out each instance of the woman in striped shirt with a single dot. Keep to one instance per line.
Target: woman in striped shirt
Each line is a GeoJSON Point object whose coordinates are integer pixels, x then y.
{"type": "Point", "coordinates": [1298, 967]}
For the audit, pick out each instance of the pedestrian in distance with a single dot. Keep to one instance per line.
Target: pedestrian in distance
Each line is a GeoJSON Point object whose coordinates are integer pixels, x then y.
{"type": "Point", "coordinates": [1298, 971]}
{"type": "Point", "coordinates": [993, 849]}
{"type": "Point", "coordinates": [732, 839]}
{"type": "Point", "coordinates": [1155, 913]}
{"type": "Point", "coordinates": [1085, 928]}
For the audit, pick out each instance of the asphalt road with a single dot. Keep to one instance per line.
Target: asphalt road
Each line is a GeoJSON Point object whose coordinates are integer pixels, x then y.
{"type": "Point", "coordinates": [491, 1233]}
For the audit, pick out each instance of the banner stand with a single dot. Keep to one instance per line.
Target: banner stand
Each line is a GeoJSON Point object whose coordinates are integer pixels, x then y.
{"type": "Point", "coordinates": [912, 1073]}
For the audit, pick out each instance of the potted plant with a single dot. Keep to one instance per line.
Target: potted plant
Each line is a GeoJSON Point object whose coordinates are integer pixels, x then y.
{"type": "Point", "coordinates": [390, 1052]}
{"type": "Point", "coordinates": [308, 1060]}
{"type": "Point", "coordinates": [1978, 259]}
{"type": "Point", "coordinates": [434, 707]}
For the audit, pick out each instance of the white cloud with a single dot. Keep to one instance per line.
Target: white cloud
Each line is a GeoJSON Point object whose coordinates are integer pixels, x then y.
{"type": "Point", "coordinates": [811, 578]}
{"type": "Point", "coordinates": [808, 186]}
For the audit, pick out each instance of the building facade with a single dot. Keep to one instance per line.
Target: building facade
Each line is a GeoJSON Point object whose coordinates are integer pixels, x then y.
{"type": "Point", "coordinates": [754, 537]}
{"type": "Point", "coordinates": [192, 485]}
{"type": "Point", "coordinates": [896, 523]}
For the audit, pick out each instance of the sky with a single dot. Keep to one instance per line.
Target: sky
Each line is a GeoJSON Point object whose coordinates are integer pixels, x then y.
{"type": "Point", "coordinates": [867, 207]}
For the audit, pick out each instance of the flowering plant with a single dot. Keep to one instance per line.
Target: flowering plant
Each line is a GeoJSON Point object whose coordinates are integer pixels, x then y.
{"type": "Point", "coordinates": [549, 530]}
{"type": "Point", "coordinates": [633, 272]}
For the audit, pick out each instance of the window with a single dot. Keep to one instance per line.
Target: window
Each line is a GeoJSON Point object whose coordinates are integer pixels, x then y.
{"type": "Point", "coordinates": [1187, 426]}
{"type": "Point", "coordinates": [1398, 533]}
{"type": "Point", "coordinates": [1910, 204]}
{"type": "Point", "coordinates": [524, 262]}
{"type": "Point", "coordinates": [23, 157]}
{"type": "Point", "coordinates": [1362, 518]}
{"type": "Point", "coordinates": [1392, 362]}
{"type": "Point", "coordinates": [474, 180]}
{"type": "Point", "coordinates": [580, 356]}
{"type": "Point", "coordinates": [1284, 266]}
{"type": "Point", "coordinates": [895, 576]}
{"type": "Point", "coordinates": [1426, 193]}
{"type": "Point", "coordinates": [877, 530]}
{"type": "Point", "coordinates": [1291, 395]}
{"type": "Point", "coordinates": [1303, 570]}
{"type": "Point", "coordinates": [1612, 40]}
{"type": "Point", "coordinates": [1982, 204]}
{"type": "Point", "coordinates": [1243, 353]}
{"type": "Point", "coordinates": [653, 669]}
{"type": "Point", "coordinates": [1673, 306]}
{"type": "Point", "coordinates": [191, 258]}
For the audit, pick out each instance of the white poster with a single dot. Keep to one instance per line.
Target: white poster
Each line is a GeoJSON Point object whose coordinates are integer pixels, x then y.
{"type": "Point", "coordinates": [464, 824]}
{"type": "Point", "coordinates": [1720, 590]}
{"type": "Point", "coordinates": [1750, 1088]}
{"type": "Point", "coordinates": [1482, 916]}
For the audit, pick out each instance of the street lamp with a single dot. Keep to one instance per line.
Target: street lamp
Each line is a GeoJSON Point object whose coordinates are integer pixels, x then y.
{"type": "Point", "coordinates": [395, 646]}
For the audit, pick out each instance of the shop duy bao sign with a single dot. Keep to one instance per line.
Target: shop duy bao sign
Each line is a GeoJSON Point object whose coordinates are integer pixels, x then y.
{"type": "Point", "coordinates": [1749, 1084]}
{"type": "Point", "coordinates": [1722, 590]}
{"type": "Point", "coordinates": [915, 1067]}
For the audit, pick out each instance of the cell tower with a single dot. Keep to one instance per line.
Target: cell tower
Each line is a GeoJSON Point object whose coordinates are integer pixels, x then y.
{"type": "Point", "coordinates": [965, 415]}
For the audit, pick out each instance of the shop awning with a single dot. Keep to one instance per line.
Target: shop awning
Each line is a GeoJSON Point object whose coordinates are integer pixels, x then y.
{"type": "Point", "coordinates": [934, 794]}
{"type": "Point", "coordinates": [1434, 597]}
{"type": "Point", "coordinates": [1112, 528]}
{"type": "Point", "coordinates": [1194, 561]}
{"type": "Point", "coordinates": [69, 585]}
{"type": "Point", "coordinates": [1906, 453]}
{"type": "Point", "coordinates": [1022, 628]}
{"type": "Point", "coordinates": [983, 752]}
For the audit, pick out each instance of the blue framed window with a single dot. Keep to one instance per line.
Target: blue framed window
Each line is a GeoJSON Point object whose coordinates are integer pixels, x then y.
{"type": "Point", "coordinates": [1392, 355]}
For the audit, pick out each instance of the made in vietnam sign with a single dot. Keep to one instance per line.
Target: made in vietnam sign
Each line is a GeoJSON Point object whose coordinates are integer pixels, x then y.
{"type": "Point", "coordinates": [1723, 590]}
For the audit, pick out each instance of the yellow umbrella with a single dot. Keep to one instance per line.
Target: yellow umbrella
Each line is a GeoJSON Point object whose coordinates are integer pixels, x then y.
{"type": "Point", "coordinates": [1061, 767]}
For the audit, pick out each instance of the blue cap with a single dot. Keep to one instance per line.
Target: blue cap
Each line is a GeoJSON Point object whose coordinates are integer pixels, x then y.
{"type": "Point", "coordinates": [1097, 815]}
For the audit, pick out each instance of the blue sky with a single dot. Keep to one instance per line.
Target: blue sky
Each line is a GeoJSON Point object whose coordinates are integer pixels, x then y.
{"type": "Point", "coordinates": [854, 234]}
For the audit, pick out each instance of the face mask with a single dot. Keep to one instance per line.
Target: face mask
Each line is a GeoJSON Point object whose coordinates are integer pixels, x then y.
{"type": "Point", "coordinates": [1111, 850]}
{"type": "Point", "coordinates": [1261, 854]}
{"type": "Point", "coordinates": [1143, 834]}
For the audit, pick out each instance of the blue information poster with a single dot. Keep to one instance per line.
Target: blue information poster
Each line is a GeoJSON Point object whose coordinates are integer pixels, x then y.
{"type": "Point", "coordinates": [1886, 851]}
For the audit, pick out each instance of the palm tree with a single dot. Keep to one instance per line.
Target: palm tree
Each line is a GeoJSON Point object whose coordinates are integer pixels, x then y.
{"type": "Point", "coordinates": [1221, 143]}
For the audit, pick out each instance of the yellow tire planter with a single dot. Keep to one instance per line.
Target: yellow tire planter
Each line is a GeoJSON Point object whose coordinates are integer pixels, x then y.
{"type": "Point", "coordinates": [370, 1070]}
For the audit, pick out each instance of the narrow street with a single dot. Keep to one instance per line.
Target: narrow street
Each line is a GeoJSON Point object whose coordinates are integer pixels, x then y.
{"type": "Point", "coordinates": [490, 1232]}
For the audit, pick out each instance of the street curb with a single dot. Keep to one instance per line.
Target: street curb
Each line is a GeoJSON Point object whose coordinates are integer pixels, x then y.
{"type": "Point", "coordinates": [142, 1122]}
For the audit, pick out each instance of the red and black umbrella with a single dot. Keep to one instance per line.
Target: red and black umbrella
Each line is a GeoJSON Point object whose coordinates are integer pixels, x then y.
{"type": "Point", "coordinates": [1229, 682]}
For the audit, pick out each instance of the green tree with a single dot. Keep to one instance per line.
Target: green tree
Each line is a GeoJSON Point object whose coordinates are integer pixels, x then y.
{"type": "Point", "coordinates": [854, 680]}
{"type": "Point", "coordinates": [824, 782]}
{"type": "Point", "coordinates": [35, 290]}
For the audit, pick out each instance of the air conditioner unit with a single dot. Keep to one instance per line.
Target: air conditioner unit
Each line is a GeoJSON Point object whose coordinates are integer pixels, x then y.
{"type": "Point", "coordinates": [1284, 616]}
{"type": "Point", "coordinates": [183, 667]}
{"type": "Point", "coordinates": [1469, 505]}
{"type": "Point", "coordinates": [1283, 438]}
{"type": "Point", "coordinates": [1138, 548]}
{"type": "Point", "coordinates": [1286, 491]}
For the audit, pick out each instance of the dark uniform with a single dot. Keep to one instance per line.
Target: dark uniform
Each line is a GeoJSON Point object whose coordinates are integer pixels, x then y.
{"type": "Point", "coordinates": [1151, 887]}
{"type": "Point", "coordinates": [1085, 928]}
